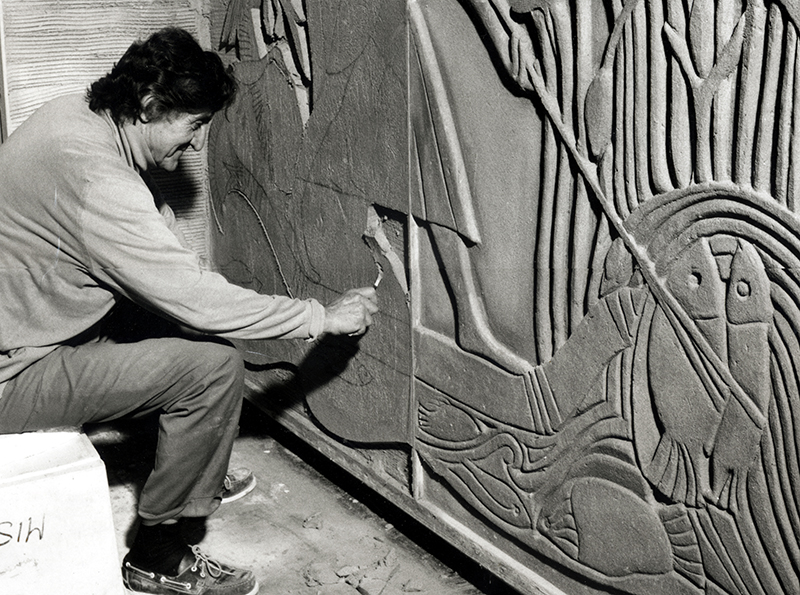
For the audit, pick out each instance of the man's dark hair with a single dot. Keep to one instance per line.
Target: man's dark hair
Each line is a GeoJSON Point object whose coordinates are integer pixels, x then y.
{"type": "Point", "coordinates": [173, 69]}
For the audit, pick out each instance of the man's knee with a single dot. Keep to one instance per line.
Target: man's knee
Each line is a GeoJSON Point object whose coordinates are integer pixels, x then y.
{"type": "Point", "coordinates": [209, 376]}
{"type": "Point", "coordinates": [221, 361]}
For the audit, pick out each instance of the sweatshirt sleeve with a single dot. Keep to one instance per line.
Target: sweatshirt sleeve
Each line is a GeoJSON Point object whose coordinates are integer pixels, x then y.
{"type": "Point", "coordinates": [131, 248]}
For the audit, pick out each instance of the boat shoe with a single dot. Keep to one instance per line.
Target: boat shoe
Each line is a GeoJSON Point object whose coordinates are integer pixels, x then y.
{"type": "Point", "coordinates": [197, 575]}
{"type": "Point", "coordinates": [238, 483]}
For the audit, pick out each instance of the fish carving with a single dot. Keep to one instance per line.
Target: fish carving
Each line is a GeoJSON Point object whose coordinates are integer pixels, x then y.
{"type": "Point", "coordinates": [709, 441]}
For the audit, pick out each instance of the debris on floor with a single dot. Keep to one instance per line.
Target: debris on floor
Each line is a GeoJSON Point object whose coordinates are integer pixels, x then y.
{"type": "Point", "coordinates": [300, 533]}
{"type": "Point", "coordinates": [384, 576]}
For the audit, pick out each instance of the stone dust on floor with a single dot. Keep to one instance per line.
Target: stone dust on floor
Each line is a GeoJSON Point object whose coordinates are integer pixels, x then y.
{"type": "Point", "coordinates": [300, 532]}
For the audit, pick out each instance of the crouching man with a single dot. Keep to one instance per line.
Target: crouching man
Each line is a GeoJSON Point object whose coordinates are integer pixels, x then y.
{"type": "Point", "coordinates": [82, 227]}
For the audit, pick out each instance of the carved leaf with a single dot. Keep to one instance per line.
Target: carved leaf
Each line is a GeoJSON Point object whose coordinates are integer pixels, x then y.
{"type": "Point", "coordinates": [618, 268]}
{"type": "Point", "coordinates": [296, 34]}
{"type": "Point", "coordinates": [269, 17]}
{"type": "Point", "coordinates": [295, 11]}
{"type": "Point", "coordinates": [701, 36]}
{"type": "Point", "coordinates": [598, 109]}
{"type": "Point", "coordinates": [235, 19]}
{"type": "Point", "coordinates": [730, 55]}
{"type": "Point", "coordinates": [279, 30]}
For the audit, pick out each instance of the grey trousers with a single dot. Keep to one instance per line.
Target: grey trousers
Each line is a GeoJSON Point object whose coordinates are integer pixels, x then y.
{"type": "Point", "coordinates": [193, 385]}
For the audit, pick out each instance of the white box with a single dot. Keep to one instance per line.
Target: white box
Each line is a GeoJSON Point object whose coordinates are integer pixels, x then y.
{"type": "Point", "coordinates": [56, 528]}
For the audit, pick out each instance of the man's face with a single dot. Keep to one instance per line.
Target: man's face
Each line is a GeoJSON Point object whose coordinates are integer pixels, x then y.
{"type": "Point", "coordinates": [169, 137]}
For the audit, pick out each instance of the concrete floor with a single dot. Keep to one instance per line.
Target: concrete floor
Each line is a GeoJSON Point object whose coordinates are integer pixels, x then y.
{"type": "Point", "coordinates": [307, 529]}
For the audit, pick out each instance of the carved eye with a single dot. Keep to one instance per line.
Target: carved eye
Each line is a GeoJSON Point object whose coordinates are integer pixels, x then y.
{"type": "Point", "coordinates": [743, 289]}
{"type": "Point", "coordinates": [695, 279]}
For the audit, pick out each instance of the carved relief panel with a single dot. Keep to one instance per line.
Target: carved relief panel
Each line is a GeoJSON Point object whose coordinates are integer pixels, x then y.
{"type": "Point", "coordinates": [583, 217]}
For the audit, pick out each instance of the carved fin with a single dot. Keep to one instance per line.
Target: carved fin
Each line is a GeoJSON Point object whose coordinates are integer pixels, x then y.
{"type": "Point", "coordinates": [687, 558]}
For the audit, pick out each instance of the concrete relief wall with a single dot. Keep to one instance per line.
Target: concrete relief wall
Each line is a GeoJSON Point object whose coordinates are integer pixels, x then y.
{"type": "Point", "coordinates": [585, 215]}
{"type": "Point", "coordinates": [314, 145]}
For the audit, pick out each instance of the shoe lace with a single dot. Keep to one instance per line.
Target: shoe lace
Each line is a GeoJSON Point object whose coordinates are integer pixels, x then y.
{"type": "Point", "coordinates": [206, 564]}
{"type": "Point", "coordinates": [227, 482]}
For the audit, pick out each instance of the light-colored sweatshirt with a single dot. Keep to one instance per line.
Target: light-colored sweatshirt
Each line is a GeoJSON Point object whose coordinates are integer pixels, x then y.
{"type": "Point", "coordinates": [79, 227]}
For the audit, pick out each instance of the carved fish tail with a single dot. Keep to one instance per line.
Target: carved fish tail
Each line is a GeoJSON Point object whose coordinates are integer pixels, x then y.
{"type": "Point", "coordinates": [672, 470]}
{"type": "Point", "coordinates": [687, 558]}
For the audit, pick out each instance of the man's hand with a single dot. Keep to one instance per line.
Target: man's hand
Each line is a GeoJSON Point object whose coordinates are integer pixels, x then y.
{"type": "Point", "coordinates": [351, 313]}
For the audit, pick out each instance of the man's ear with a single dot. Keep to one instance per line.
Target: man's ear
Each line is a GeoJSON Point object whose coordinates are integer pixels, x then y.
{"type": "Point", "coordinates": [148, 107]}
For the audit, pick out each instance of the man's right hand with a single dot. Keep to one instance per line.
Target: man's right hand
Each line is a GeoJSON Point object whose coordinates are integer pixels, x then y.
{"type": "Point", "coordinates": [351, 313]}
